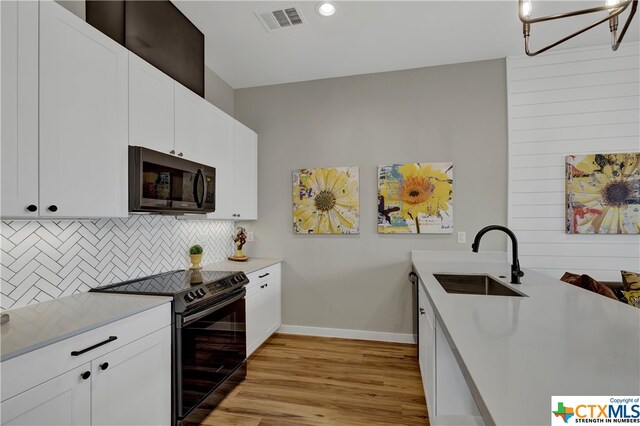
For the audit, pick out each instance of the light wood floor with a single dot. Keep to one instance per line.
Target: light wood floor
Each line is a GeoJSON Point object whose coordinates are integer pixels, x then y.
{"type": "Point", "coordinates": [301, 380]}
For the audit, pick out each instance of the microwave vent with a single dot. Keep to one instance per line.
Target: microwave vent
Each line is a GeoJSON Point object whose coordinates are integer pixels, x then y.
{"type": "Point", "coordinates": [288, 17]}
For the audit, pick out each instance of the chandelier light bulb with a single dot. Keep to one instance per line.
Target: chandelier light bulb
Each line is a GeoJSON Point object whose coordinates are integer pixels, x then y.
{"type": "Point", "coordinates": [527, 7]}
{"type": "Point", "coordinates": [326, 9]}
{"type": "Point", "coordinates": [612, 3]}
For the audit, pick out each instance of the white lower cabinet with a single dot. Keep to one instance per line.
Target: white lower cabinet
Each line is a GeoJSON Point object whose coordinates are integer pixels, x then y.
{"type": "Point", "coordinates": [263, 306]}
{"type": "Point", "coordinates": [129, 386]}
{"type": "Point", "coordinates": [427, 352]}
{"type": "Point", "coordinates": [63, 400]}
{"type": "Point", "coordinates": [121, 381]}
{"type": "Point", "coordinates": [449, 399]}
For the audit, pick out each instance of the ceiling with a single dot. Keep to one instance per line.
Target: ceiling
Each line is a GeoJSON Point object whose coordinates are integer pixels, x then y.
{"type": "Point", "coordinates": [373, 36]}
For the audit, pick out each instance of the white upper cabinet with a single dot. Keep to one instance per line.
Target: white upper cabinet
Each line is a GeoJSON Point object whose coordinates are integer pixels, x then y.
{"type": "Point", "coordinates": [151, 106]}
{"type": "Point", "coordinates": [64, 116]}
{"type": "Point", "coordinates": [245, 164]}
{"type": "Point", "coordinates": [218, 134]}
{"type": "Point", "coordinates": [73, 100]}
{"type": "Point", "coordinates": [190, 110]}
{"type": "Point", "coordinates": [83, 118]}
{"type": "Point", "coordinates": [19, 108]}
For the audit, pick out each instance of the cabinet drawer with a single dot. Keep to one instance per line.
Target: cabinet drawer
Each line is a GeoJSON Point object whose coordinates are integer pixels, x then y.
{"type": "Point", "coordinates": [26, 371]}
{"type": "Point", "coordinates": [262, 276]}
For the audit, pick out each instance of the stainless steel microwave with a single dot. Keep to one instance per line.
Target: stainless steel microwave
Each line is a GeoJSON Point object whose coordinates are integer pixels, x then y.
{"type": "Point", "coordinates": [165, 184]}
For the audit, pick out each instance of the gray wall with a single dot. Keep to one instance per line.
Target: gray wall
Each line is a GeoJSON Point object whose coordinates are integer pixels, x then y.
{"type": "Point", "coordinates": [217, 91]}
{"type": "Point", "coordinates": [77, 7]}
{"type": "Point", "coordinates": [449, 113]}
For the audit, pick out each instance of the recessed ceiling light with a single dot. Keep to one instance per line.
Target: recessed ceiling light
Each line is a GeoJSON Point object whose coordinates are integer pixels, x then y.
{"type": "Point", "coordinates": [325, 8]}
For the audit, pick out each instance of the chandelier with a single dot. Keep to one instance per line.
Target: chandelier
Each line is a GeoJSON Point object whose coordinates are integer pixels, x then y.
{"type": "Point", "coordinates": [613, 9]}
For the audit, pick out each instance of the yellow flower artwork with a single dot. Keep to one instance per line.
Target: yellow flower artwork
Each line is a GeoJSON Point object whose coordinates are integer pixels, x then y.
{"type": "Point", "coordinates": [415, 198]}
{"type": "Point", "coordinates": [603, 193]}
{"type": "Point", "coordinates": [326, 200]}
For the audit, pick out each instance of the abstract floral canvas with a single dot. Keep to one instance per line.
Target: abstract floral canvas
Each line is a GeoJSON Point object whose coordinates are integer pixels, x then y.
{"type": "Point", "coordinates": [603, 193]}
{"type": "Point", "coordinates": [415, 198]}
{"type": "Point", "coordinates": [326, 200]}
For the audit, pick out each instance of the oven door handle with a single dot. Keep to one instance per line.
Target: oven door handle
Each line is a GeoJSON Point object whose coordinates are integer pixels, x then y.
{"type": "Point", "coordinates": [194, 317]}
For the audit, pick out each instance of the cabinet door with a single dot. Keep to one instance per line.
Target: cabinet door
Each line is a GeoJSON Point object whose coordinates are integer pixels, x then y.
{"type": "Point", "coordinates": [245, 163]}
{"type": "Point", "coordinates": [427, 351]}
{"type": "Point", "coordinates": [19, 126]}
{"type": "Point", "coordinates": [189, 122]}
{"type": "Point", "coordinates": [63, 400]}
{"type": "Point", "coordinates": [132, 384]}
{"type": "Point", "coordinates": [218, 134]}
{"type": "Point", "coordinates": [255, 327]}
{"type": "Point", "coordinates": [271, 311]}
{"type": "Point", "coordinates": [83, 118]}
{"type": "Point", "coordinates": [151, 106]}
{"type": "Point", "coordinates": [422, 343]}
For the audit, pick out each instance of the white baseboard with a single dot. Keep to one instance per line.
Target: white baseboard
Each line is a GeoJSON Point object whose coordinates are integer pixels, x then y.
{"type": "Point", "coordinates": [347, 334]}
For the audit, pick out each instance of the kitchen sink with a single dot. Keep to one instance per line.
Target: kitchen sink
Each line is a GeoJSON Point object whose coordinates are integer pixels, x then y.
{"type": "Point", "coordinates": [474, 284]}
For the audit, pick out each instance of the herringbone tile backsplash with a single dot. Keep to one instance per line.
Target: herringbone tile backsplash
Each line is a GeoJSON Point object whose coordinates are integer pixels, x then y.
{"type": "Point", "coordinates": [44, 260]}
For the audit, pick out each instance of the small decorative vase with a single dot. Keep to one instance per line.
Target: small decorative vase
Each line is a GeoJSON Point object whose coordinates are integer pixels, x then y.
{"type": "Point", "coordinates": [239, 256]}
{"type": "Point", "coordinates": [195, 261]}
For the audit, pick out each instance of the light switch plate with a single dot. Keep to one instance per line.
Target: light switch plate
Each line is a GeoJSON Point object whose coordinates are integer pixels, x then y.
{"type": "Point", "coordinates": [462, 237]}
{"type": "Point", "coordinates": [250, 236]}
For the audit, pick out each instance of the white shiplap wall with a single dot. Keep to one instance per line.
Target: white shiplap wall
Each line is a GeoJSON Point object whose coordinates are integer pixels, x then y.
{"type": "Point", "coordinates": [575, 101]}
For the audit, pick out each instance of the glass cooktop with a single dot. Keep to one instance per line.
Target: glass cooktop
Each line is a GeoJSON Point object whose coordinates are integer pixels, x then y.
{"type": "Point", "coordinates": [168, 283]}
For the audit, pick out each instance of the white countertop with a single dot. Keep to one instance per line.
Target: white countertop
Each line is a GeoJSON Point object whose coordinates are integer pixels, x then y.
{"type": "Point", "coordinates": [35, 326]}
{"type": "Point", "coordinates": [517, 352]}
{"type": "Point", "coordinates": [248, 266]}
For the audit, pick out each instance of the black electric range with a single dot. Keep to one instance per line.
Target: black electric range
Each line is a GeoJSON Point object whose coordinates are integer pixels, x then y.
{"type": "Point", "coordinates": [190, 288]}
{"type": "Point", "coordinates": [209, 335]}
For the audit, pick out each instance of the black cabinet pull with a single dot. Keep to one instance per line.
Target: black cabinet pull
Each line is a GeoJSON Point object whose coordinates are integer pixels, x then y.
{"type": "Point", "coordinates": [262, 276]}
{"type": "Point", "coordinates": [32, 208]}
{"type": "Point", "coordinates": [422, 311]}
{"type": "Point", "coordinates": [53, 208]}
{"type": "Point", "coordinates": [104, 366]}
{"type": "Point", "coordinates": [180, 155]}
{"type": "Point", "coordinates": [85, 375]}
{"type": "Point", "coordinates": [173, 151]}
{"type": "Point", "coordinates": [97, 345]}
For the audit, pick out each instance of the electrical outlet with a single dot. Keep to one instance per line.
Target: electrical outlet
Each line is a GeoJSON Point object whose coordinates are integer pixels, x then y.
{"type": "Point", "coordinates": [250, 236]}
{"type": "Point", "coordinates": [462, 237]}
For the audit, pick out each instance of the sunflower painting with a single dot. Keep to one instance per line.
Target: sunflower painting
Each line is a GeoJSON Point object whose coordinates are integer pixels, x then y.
{"type": "Point", "coordinates": [326, 201]}
{"type": "Point", "coordinates": [603, 193]}
{"type": "Point", "coordinates": [415, 198]}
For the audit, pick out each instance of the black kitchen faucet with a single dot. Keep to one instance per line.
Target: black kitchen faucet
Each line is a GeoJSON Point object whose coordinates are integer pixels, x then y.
{"type": "Point", "coordinates": [516, 272]}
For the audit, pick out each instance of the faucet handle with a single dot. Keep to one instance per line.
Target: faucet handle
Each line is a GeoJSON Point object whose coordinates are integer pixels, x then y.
{"type": "Point", "coordinates": [519, 273]}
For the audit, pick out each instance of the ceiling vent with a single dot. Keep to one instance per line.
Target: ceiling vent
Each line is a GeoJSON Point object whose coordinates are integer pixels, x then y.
{"type": "Point", "coordinates": [287, 17]}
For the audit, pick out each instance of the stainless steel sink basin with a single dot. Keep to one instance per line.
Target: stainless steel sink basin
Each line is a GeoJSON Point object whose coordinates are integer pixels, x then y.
{"type": "Point", "coordinates": [474, 284]}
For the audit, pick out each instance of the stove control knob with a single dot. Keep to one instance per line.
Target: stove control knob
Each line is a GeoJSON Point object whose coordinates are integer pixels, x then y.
{"type": "Point", "coordinates": [189, 297]}
{"type": "Point", "coordinates": [200, 293]}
